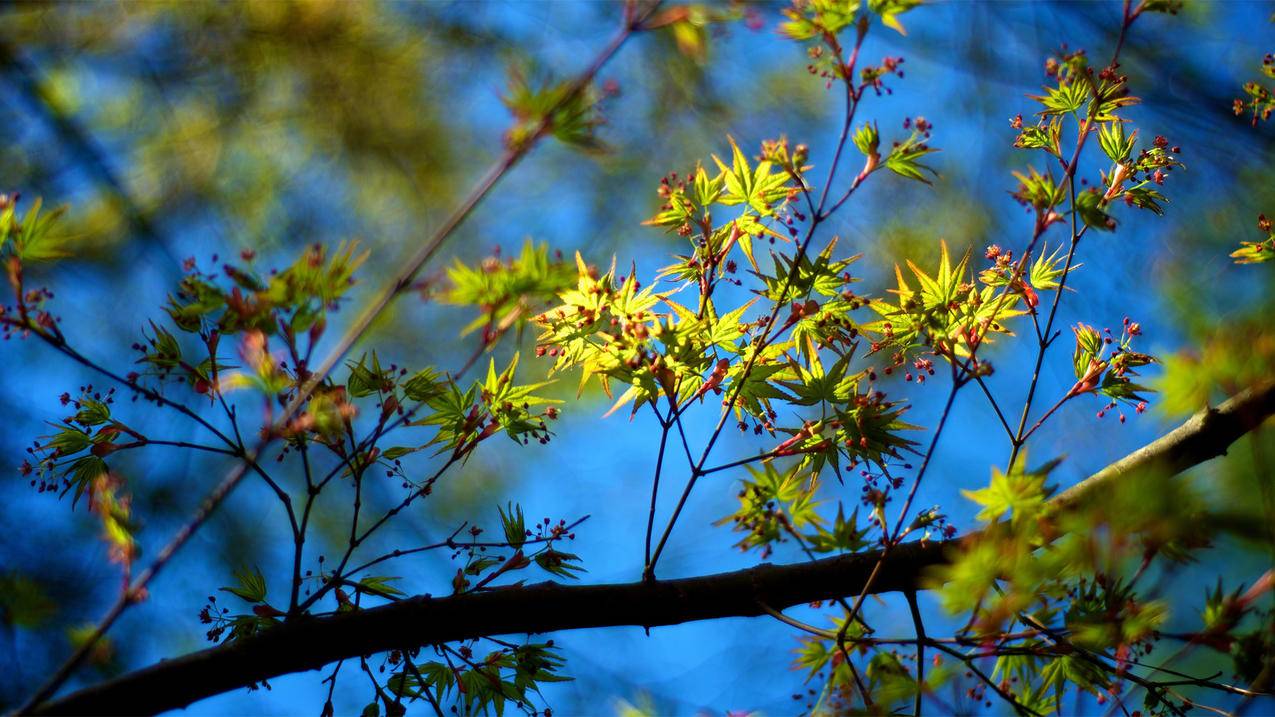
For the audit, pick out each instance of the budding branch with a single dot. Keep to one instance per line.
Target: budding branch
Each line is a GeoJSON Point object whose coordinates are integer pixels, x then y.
{"type": "Point", "coordinates": [311, 643]}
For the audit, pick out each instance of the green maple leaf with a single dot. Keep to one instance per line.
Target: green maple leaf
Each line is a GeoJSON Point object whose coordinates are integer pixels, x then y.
{"type": "Point", "coordinates": [759, 187]}
{"type": "Point", "coordinates": [1018, 491]}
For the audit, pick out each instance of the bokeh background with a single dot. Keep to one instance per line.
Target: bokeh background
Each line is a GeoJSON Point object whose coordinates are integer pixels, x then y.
{"type": "Point", "coordinates": [193, 129]}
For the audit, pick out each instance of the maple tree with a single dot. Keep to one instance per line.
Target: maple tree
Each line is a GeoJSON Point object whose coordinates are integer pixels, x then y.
{"type": "Point", "coordinates": [763, 324]}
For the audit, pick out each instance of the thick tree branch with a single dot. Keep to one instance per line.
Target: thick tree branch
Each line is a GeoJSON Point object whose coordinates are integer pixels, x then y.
{"type": "Point", "coordinates": [309, 644]}
{"type": "Point", "coordinates": [1205, 435]}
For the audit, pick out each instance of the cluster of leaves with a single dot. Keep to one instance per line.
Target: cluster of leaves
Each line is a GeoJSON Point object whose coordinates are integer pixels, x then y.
{"type": "Point", "coordinates": [508, 292]}
{"type": "Point", "coordinates": [818, 18]}
{"type": "Point", "coordinates": [27, 237]}
{"type": "Point", "coordinates": [240, 300]}
{"type": "Point", "coordinates": [1046, 273]}
{"type": "Point", "coordinates": [1057, 570]}
{"type": "Point", "coordinates": [543, 105]}
{"type": "Point", "coordinates": [1091, 99]}
{"type": "Point", "coordinates": [1074, 92]}
{"type": "Point", "coordinates": [292, 301]}
{"type": "Point", "coordinates": [1038, 191]}
{"type": "Point", "coordinates": [948, 314]}
{"type": "Point", "coordinates": [775, 506]}
{"type": "Point", "coordinates": [1146, 170]}
{"type": "Point", "coordinates": [886, 680]}
{"type": "Point", "coordinates": [1256, 252]}
{"type": "Point", "coordinates": [464, 417]}
{"type": "Point", "coordinates": [762, 193]}
{"type": "Point", "coordinates": [1018, 491]}
{"type": "Point", "coordinates": [250, 586]}
{"type": "Point", "coordinates": [856, 422]}
{"type": "Point", "coordinates": [823, 280]}
{"type": "Point", "coordinates": [508, 674]}
{"type": "Point", "coordinates": [905, 156]}
{"type": "Point", "coordinates": [72, 457]}
{"type": "Point", "coordinates": [1106, 366]}
{"type": "Point", "coordinates": [482, 566]}
{"type": "Point", "coordinates": [1076, 88]}
{"type": "Point", "coordinates": [30, 236]}
{"type": "Point", "coordinates": [610, 329]}
{"type": "Point", "coordinates": [613, 329]}
{"type": "Point", "coordinates": [1260, 102]}
{"type": "Point", "coordinates": [691, 25]}
{"type": "Point", "coordinates": [809, 19]}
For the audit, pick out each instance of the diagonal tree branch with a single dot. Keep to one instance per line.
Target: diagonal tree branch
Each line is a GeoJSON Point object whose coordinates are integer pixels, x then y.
{"type": "Point", "coordinates": [311, 643]}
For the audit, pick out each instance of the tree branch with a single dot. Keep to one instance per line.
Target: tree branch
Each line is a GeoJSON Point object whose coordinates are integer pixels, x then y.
{"type": "Point", "coordinates": [306, 386]}
{"type": "Point", "coordinates": [311, 643]}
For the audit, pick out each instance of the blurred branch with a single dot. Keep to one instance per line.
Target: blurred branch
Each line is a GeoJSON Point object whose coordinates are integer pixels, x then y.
{"type": "Point", "coordinates": [24, 77]}
{"type": "Point", "coordinates": [311, 643]}
{"type": "Point", "coordinates": [1205, 435]}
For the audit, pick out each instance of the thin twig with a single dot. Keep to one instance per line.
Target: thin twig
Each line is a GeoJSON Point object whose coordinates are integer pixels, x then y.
{"type": "Point", "coordinates": [919, 624]}
{"type": "Point", "coordinates": [995, 406]}
{"type": "Point", "coordinates": [697, 468]}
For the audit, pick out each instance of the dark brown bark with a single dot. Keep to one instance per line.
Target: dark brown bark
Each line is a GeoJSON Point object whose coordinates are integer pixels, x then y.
{"type": "Point", "coordinates": [309, 644]}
